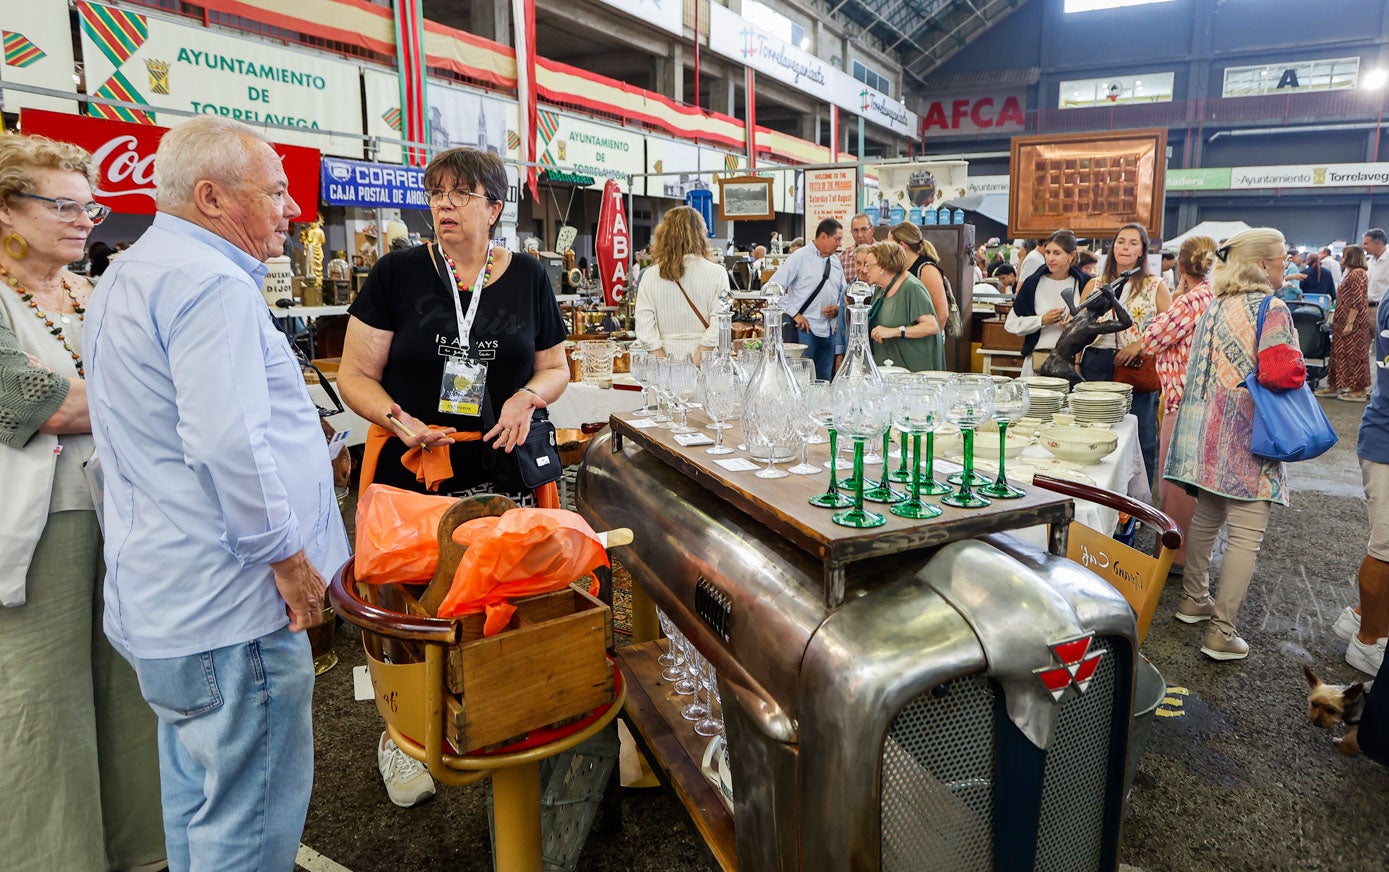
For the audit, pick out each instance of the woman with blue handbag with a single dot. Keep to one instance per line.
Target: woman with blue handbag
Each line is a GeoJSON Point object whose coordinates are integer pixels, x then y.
{"type": "Point", "coordinates": [1212, 454]}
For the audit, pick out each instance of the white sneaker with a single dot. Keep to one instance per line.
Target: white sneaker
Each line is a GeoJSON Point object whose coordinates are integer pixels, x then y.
{"type": "Point", "coordinates": [1366, 658]}
{"type": "Point", "coordinates": [407, 781]}
{"type": "Point", "coordinates": [1347, 624]}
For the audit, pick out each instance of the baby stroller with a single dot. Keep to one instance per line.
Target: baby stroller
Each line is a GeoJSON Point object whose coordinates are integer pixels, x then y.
{"type": "Point", "coordinates": [1313, 335]}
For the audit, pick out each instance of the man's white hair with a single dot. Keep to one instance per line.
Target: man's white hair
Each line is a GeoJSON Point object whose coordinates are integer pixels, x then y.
{"type": "Point", "coordinates": [206, 147]}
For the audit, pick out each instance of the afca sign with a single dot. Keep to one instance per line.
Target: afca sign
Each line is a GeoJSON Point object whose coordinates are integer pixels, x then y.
{"type": "Point", "coordinates": [974, 114]}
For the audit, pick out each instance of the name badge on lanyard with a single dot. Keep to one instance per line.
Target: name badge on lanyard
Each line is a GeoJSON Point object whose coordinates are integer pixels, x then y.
{"type": "Point", "coordinates": [464, 384]}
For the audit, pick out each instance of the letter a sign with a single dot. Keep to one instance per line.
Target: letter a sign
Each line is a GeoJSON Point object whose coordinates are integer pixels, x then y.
{"type": "Point", "coordinates": [614, 244]}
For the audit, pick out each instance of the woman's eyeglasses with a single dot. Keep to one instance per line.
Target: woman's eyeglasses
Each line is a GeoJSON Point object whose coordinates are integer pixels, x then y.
{"type": "Point", "coordinates": [457, 198]}
{"type": "Point", "coordinates": [68, 210]}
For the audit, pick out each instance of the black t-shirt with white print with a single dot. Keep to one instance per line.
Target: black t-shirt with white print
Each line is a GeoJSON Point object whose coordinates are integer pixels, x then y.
{"type": "Point", "coordinates": [516, 317]}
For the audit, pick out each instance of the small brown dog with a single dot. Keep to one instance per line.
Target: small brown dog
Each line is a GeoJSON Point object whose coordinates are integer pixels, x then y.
{"type": "Point", "coordinates": [1332, 704]}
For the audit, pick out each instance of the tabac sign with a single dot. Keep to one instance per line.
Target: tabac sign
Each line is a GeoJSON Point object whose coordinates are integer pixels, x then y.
{"type": "Point", "coordinates": [614, 245]}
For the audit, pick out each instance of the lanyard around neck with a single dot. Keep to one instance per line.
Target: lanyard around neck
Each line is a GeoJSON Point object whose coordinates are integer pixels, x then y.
{"type": "Point", "coordinates": [465, 322]}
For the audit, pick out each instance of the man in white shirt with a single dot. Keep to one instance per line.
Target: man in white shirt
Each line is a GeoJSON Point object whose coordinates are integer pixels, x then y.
{"type": "Point", "coordinates": [1032, 262]}
{"type": "Point", "coordinates": [1374, 240]}
{"type": "Point", "coordinates": [1331, 265]}
{"type": "Point", "coordinates": [814, 281]}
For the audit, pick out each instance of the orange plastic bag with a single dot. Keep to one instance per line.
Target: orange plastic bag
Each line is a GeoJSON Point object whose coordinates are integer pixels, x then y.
{"type": "Point", "coordinates": [520, 553]}
{"type": "Point", "coordinates": [398, 534]}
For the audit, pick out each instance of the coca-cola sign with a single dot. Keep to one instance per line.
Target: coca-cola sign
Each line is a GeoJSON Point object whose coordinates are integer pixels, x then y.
{"type": "Point", "coordinates": [124, 157]}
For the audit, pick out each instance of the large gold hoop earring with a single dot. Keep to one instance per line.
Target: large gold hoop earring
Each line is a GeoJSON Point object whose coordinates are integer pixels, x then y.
{"type": "Point", "coordinates": [16, 246]}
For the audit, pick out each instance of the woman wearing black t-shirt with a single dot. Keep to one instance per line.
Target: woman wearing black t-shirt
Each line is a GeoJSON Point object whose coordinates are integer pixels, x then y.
{"type": "Point", "coordinates": [402, 353]}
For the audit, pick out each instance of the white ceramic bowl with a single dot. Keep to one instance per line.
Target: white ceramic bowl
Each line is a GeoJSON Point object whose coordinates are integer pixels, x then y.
{"type": "Point", "coordinates": [986, 445]}
{"type": "Point", "coordinates": [947, 441]}
{"type": "Point", "coordinates": [794, 349]}
{"type": "Point", "coordinates": [1078, 444]}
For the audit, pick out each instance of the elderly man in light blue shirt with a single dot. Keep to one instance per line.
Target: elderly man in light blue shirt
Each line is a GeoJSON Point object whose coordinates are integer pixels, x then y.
{"type": "Point", "coordinates": [814, 281]}
{"type": "Point", "coordinates": [220, 515]}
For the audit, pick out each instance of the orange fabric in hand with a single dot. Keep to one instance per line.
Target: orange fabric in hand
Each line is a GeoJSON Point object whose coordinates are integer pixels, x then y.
{"type": "Point", "coordinates": [398, 534]}
{"type": "Point", "coordinates": [520, 553]}
{"type": "Point", "coordinates": [433, 468]}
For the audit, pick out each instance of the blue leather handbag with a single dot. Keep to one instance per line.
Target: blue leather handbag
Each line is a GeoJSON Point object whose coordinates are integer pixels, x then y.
{"type": "Point", "coordinates": [1288, 425]}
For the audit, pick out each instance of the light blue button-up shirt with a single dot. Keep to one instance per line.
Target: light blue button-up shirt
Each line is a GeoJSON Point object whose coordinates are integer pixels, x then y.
{"type": "Point", "coordinates": [214, 461]}
{"type": "Point", "coordinates": [800, 274]}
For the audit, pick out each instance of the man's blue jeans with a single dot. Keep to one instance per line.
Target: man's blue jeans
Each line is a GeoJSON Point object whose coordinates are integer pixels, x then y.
{"type": "Point", "coordinates": [821, 350]}
{"type": "Point", "coordinates": [235, 752]}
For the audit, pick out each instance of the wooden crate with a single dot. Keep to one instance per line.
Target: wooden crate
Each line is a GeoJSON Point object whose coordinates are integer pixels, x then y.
{"type": "Point", "coordinates": [548, 666]}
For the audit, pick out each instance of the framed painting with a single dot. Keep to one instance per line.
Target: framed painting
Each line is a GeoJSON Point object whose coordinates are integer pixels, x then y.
{"type": "Point", "coordinates": [745, 198]}
{"type": "Point", "coordinates": [1090, 183]}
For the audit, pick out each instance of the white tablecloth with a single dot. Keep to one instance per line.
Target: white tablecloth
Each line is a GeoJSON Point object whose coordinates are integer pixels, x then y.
{"type": "Point", "coordinates": [1121, 472]}
{"type": "Point", "coordinates": [589, 404]}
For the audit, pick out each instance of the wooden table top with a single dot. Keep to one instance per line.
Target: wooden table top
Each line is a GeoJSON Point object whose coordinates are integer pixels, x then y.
{"type": "Point", "coordinates": [781, 503]}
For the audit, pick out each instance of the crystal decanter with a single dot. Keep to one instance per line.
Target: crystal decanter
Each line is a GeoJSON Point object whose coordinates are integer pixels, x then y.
{"type": "Point", "coordinates": [773, 398]}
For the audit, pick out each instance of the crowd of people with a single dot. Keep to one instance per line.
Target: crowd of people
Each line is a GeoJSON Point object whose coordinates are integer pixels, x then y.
{"type": "Point", "coordinates": [156, 419]}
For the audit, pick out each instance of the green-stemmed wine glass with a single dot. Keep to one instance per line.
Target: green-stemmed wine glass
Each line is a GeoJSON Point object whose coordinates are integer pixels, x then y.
{"type": "Point", "coordinates": [821, 399]}
{"type": "Point", "coordinates": [968, 402]}
{"type": "Point", "coordinates": [861, 415]}
{"type": "Point", "coordinates": [917, 411]}
{"type": "Point", "coordinates": [1011, 402]}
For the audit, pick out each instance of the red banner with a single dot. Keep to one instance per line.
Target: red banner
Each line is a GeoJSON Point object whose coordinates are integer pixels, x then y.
{"type": "Point", "coordinates": [124, 157]}
{"type": "Point", "coordinates": [614, 244]}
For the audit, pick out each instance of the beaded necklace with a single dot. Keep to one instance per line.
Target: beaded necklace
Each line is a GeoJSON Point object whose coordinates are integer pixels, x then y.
{"type": "Point", "coordinates": [461, 282]}
{"type": "Point", "coordinates": [56, 329]}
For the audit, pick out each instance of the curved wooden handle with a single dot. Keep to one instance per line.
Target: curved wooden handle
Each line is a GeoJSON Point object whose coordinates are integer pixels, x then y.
{"type": "Point", "coordinates": [1169, 534]}
{"type": "Point", "coordinates": [342, 593]}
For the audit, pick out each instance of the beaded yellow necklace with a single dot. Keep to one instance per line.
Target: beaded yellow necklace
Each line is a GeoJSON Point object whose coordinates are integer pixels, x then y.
{"type": "Point", "coordinates": [54, 328]}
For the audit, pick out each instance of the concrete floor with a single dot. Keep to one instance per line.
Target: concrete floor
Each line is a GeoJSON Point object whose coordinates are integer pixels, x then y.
{"type": "Point", "coordinates": [1238, 781]}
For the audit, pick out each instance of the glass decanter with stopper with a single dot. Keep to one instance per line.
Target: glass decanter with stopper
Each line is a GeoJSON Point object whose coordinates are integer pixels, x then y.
{"type": "Point", "coordinates": [859, 366]}
{"type": "Point", "coordinates": [773, 398]}
{"type": "Point", "coordinates": [722, 359]}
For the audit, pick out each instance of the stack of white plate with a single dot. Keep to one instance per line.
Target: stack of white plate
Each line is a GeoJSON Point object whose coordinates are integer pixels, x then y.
{"type": "Point", "coordinates": [1112, 387]}
{"type": "Point", "coordinates": [1099, 407]}
{"type": "Point", "coordinates": [1045, 403]}
{"type": "Point", "coordinates": [1046, 382]}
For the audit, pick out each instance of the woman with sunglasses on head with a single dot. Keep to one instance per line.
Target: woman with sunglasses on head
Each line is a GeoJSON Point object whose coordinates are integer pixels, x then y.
{"type": "Point", "coordinates": [406, 369]}
{"type": "Point", "coordinates": [1144, 296]}
{"type": "Point", "coordinates": [77, 742]}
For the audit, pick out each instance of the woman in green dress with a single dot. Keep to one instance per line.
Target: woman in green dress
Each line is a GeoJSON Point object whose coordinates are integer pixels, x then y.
{"type": "Point", "coordinates": [902, 322]}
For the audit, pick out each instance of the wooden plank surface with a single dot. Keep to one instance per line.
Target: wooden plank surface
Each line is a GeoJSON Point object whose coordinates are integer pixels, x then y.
{"type": "Point", "coordinates": [654, 710]}
{"type": "Point", "coordinates": [781, 503]}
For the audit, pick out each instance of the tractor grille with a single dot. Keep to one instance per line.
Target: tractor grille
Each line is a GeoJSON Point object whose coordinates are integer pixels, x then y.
{"type": "Point", "coordinates": [1071, 833]}
{"type": "Point", "coordinates": [938, 778]}
{"type": "Point", "coordinates": [937, 787]}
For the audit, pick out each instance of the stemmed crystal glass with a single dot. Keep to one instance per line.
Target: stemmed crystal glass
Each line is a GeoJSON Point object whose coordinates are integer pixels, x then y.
{"type": "Point", "coordinates": [968, 402]}
{"type": "Point", "coordinates": [860, 415]}
{"type": "Point", "coordinates": [883, 492]}
{"type": "Point", "coordinates": [821, 398]}
{"type": "Point", "coordinates": [695, 709]}
{"type": "Point", "coordinates": [688, 684]}
{"type": "Point", "coordinates": [803, 368]}
{"type": "Point", "coordinates": [658, 376]}
{"type": "Point", "coordinates": [682, 383]}
{"type": "Point", "coordinates": [672, 660]}
{"type": "Point", "coordinates": [721, 391]}
{"type": "Point", "coordinates": [640, 371]}
{"type": "Point", "coordinates": [711, 724]}
{"type": "Point", "coordinates": [1011, 402]}
{"type": "Point", "coordinates": [778, 435]}
{"type": "Point", "coordinates": [807, 425]}
{"type": "Point", "coordinates": [916, 412]}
